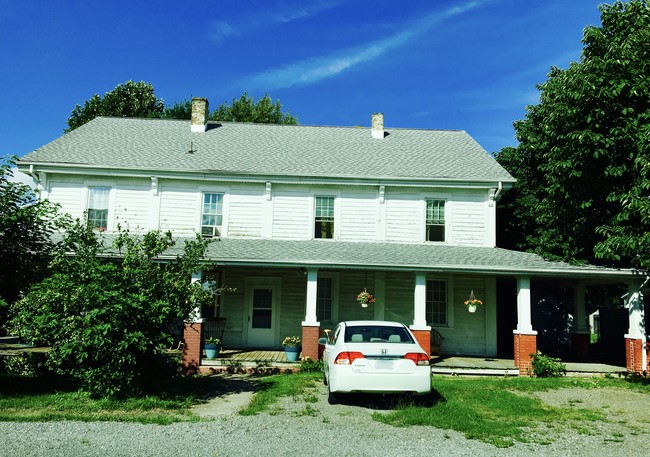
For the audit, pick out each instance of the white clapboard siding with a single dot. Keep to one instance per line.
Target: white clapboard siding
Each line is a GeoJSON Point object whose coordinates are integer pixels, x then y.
{"type": "Point", "coordinates": [469, 220]}
{"type": "Point", "coordinates": [403, 217]}
{"type": "Point", "coordinates": [180, 208]}
{"type": "Point", "coordinates": [467, 336]}
{"type": "Point", "coordinates": [245, 213]}
{"type": "Point", "coordinates": [358, 216]}
{"type": "Point", "coordinates": [132, 206]}
{"type": "Point", "coordinates": [292, 215]}
{"type": "Point", "coordinates": [71, 196]}
{"type": "Point", "coordinates": [400, 288]}
{"type": "Point", "coordinates": [350, 284]}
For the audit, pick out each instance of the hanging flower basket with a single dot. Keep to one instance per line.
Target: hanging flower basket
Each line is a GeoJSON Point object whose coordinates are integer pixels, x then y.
{"type": "Point", "coordinates": [365, 298]}
{"type": "Point", "coordinates": [473, 303]}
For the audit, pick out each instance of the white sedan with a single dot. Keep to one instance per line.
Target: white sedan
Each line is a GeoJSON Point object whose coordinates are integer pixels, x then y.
{"type": "Point", "coordinates": [374, 356]}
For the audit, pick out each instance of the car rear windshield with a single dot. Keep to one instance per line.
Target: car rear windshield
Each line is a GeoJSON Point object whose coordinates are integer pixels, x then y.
{"type": "Point", "coordinates": [376, 334]}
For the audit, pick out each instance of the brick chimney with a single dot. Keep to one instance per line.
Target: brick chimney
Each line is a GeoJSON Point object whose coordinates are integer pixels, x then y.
{"type": "Point", "coordinates": [199, 114]}
{"type": "Point", "coordinates": [377, 125]}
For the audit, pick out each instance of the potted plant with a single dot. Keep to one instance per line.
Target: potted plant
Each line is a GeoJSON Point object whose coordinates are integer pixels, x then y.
{"type": "Point", "coordinates": [212, 347]}
{"type": "Point", "coordinates": [473, 303]}
{"type": "Point", "coordinates": [292, 346]}
{"type": "Point", "coordinates": [365, 298]}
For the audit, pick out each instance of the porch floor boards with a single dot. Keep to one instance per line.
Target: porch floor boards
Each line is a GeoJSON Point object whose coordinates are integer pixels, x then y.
{"type": "Point", "coordinates": [477, 366]}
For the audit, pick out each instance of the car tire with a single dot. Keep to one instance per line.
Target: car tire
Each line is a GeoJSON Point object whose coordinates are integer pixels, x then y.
{"type": "Point", "coordinates": [332, 398]}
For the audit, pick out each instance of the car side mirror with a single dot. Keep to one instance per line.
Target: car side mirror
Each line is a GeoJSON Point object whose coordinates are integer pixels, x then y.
{"type": "Point", "coordinates": [322, 341]}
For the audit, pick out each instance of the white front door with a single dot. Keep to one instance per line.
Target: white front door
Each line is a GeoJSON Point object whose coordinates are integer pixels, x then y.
{"type": "Point", "coordinates": [262, 315]}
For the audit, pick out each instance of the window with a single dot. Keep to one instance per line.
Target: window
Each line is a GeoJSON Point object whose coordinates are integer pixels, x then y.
{"type": "Point", "coordinates": [435, 220]}
{"type": "Point", "coordinates": [324, 218]}
{"type": "Point", "coordinates": [98, 207]}
{"type": "Point", "coordinates": [437, 302]}
{"type": "Point", "coordinates": [212, 214]}
{"type": "Point", "coordinates": [324, 295]}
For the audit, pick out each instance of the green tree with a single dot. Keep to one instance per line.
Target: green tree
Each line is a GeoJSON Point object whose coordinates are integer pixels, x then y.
{"type": "Point", "coordinates": [131, 99]}
{"type": "Point", "coordinates": [107, 312]}
{"type": "Point", "coordinates": [583, 159]}
{"type": "Point", "coordinates": [26, 226]}
{"type": "Point", "coordinates": [245, 109]}
{"type": "Point", "coordinates": [179, 110]}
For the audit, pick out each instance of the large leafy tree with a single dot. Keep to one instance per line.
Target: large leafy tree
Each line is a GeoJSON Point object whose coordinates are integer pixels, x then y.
{"type": "Point", "coordinates": [246, 109]}
{"type": "Point", "coordinates": [26, 225]}
{"type": "Point", "coordinates": [107, 317]}
{"type": "Point", "coordinates": [131, 99]}
{"type": "Point", "coordinates": [582, 164]}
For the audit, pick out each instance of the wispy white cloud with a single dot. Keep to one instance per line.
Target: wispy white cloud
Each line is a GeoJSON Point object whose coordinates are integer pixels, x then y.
{"type": "Point", "coordinates": [220, 30]}
{"type": "Point", "coordinates": [310, 71]}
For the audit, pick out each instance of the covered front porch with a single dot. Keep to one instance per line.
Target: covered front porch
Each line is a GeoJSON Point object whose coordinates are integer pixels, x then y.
{"type": "Point", "coordinates": [302, 288]}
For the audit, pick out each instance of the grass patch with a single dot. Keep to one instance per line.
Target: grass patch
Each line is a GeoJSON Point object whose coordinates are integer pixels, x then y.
{"type": "Point", "coordinates": [496, 411]}
{"type": "Point", "coordinates": [283, 385]}
{"type": "Point", "coordinates": [51, 398]}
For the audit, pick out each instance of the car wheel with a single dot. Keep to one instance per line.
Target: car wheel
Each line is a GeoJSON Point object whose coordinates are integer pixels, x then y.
{"type": "Point", "coordinates": [332, 398]}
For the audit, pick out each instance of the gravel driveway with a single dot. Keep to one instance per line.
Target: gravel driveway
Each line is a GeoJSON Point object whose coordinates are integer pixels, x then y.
{"type": "Point", "coordinates": [306, 425]}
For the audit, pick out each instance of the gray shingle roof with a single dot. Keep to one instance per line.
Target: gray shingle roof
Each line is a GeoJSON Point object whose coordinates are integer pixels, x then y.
{"type": "Point", "coordinates": [269, 149]}
{"type": "Point", "coordinates": [391, 256]}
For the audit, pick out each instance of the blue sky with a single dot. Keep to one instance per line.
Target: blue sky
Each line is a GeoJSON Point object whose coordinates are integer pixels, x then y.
{"type": "Point", "coordinates": [462, 64]}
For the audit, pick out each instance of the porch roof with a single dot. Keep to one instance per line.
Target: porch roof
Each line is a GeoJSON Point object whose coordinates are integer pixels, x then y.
{"type": "Point", "coordinates": [397, 256]}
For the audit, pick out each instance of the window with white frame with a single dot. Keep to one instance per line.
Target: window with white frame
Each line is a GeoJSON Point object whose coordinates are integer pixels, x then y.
{"type": "Point", "coordinates": [435, 225]}
{"type": "Point", "coordinates": [212, 214]}
{"type": "Point", "coordinates": [324, 217]}
{"type": "Point", "coordinates": [436, 302]}
{"type": "Point", "coordinates": [324, 299]}
{"type": "Point", "coordinates": [98, 207]}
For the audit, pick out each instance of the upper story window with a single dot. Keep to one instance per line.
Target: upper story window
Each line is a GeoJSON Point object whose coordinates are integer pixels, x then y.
{"type": "Point", "coordinates": [324, 217]}
{"type": "Point", "coordinates": [435, 230]}
{"type": "Point", "coordinates": [324, 299]}
{"type": "Point", "coordinates": [436, 302]}
{"type": "Point", "coordinates": [211, 214]}
{"type": "Point", "coordinates": [98, 207]}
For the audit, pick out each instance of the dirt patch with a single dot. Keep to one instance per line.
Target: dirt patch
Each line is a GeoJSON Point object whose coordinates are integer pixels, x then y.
{"type": "Point", "coordinates": [228, 395]}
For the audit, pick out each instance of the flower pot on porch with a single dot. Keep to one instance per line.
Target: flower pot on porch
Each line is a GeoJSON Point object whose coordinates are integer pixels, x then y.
{"type": "Point", "coordinates": [212, 350]}
{"type": "Point", "coordinates": [471, 308]}
{"type": "Point", "coordinates": [292, 353]}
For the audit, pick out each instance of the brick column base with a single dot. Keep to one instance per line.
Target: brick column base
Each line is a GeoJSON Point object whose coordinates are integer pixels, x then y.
{"type": "Point", "coordinates": [634, 356]}
{"type": "Point", "coordinates": [310, 336]}
{"type": "Point", "coordinates": [580, 346]}
{"type": "Point", "coordinates": [424, 339]}
{"type": "Point", "coordinates": [192, 337]}
{"type": "Point", "coordinates": [525, 347]}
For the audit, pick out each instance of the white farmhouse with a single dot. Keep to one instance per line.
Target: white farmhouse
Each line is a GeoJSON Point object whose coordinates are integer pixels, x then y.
{"type": "Point", "coordinates": [308, 217]}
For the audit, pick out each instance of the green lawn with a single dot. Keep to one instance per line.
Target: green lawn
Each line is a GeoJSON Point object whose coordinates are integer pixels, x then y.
{"type": "Point", "coordinates": [50, 398]}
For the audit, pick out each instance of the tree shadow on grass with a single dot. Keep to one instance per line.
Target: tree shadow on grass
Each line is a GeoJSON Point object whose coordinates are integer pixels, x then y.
{"type": "Point", "coordinates": [205, 388]}
{"type": "Point", "coordinates": [19, 386]}
{"type": "Point", "coordinates": [389, 402]}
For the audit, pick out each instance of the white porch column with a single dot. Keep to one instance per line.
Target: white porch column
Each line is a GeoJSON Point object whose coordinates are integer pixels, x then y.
{"type": "Point", "coordinates": [523, 305]}
{"type": "Point", "coordinates": [310, 308]}
{"type": "Point", "coordinates": [634, 304]}
{"type": "Point", "coordinates": [195, 315]}
{"type": "Point", "coordinates": [635, 339]}
{"type": "Point", "coordinates": [420, 303]}
{"type": "Point", "coordinates": [580, 323]}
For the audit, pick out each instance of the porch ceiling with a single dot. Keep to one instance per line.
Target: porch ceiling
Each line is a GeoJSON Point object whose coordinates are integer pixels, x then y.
{"type": "Point", "coordinates": [398, 256]}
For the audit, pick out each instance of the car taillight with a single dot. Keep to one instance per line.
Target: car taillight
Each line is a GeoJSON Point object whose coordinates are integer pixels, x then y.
{"type": "Point", "coordinates": [346, 358]}
{"type": "Point", "coordinates": [418, 358]}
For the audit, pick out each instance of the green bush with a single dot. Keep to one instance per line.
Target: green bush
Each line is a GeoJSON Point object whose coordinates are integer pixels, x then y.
{"type": "Point", "coordinates": [547, 367]}
{"type": "Point", "coordinates": [308, 365]}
